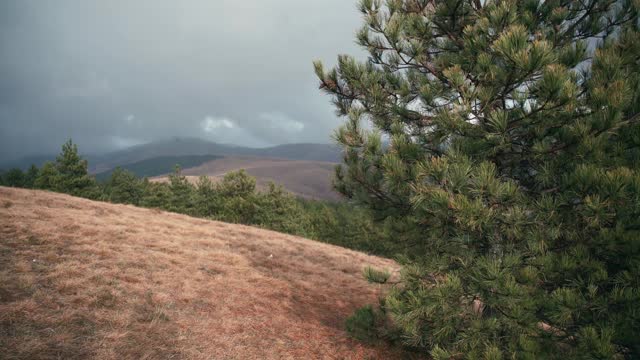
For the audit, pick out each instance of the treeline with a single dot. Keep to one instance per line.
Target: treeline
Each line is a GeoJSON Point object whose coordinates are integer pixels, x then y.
{"type": "Point", "coordinates": [234, 199]}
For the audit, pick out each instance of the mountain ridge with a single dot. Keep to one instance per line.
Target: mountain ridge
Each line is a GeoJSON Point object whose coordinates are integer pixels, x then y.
{"type": "Point", "coordinates": [185, 146]}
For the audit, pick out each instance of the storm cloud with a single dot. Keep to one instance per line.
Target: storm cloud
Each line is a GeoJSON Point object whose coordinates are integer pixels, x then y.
{"type": "Point", "coordinates": [110, 74]}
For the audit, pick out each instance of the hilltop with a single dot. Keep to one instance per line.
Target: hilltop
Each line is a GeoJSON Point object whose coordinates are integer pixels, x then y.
{"type": "Point", "coordinates": [89, 279]}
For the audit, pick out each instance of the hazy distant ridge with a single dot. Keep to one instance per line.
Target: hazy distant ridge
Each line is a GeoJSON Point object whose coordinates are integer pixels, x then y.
{"type": "Point", "coordinates": [191, 146]}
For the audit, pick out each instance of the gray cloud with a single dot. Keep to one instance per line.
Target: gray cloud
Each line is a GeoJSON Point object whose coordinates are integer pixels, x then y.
{"type": "Point", "coordinates": [120, 72]}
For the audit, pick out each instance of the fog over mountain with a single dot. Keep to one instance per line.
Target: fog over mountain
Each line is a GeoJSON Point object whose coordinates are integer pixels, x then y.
{"type": "Point", "coordinates": [112, 74]}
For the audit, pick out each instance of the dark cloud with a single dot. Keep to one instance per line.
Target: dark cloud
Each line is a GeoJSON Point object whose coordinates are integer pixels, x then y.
{"type": "Point", "coordinates": [114, 73]}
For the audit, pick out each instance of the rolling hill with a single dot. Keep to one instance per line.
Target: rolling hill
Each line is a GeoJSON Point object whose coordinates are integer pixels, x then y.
{"type": "Point", "coordinates": [195, 146]}
{"type": "Point", "coordinates": [85, 279]}
{"type": "Point", "coordinates": [160, 165]}
{"type": "Point", "coordinates": [178, 146]}
{"type": "Point", "coordinates": [307, 179]}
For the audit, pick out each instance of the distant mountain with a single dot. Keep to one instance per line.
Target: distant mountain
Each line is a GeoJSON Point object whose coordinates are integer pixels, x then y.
{"type": "Point", "coordinates": [160, 165]}
{"type": "Point", "coordinates": [313, 152]}
{"type": "Point", "coordinates": [195, 146]}
{"type": "Point", "coordinates": [190, 146]}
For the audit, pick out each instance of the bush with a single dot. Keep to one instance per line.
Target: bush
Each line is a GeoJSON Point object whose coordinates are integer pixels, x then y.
{"type": "Point", "coordinates": [376, 276]}
{"type": "Point", "coordinates": [363, 324]}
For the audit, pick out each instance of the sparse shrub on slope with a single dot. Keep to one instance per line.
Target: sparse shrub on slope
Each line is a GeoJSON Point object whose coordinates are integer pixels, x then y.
{"type": "Point", "coordinates": [512, 171]}
{"type": "Point", "coordinates": [362, 325]}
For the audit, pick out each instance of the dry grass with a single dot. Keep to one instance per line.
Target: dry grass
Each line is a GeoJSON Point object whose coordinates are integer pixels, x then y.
{"type": "Point", "coordinates": [308, 179]}
{"type": "Point", "coordinates": [84, 279]}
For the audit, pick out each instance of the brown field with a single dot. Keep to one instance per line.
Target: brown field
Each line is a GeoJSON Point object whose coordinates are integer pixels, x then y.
{"type": "Point", "coordinates": [85, 279]}
{"type": "Point", "coordinates": [308, 179]}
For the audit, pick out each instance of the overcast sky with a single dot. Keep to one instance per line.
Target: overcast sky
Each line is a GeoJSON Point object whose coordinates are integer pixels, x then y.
{"type": "Point", "coordinates": [115, 73]}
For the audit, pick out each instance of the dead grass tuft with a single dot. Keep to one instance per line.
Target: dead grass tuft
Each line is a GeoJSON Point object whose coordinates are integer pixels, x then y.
{"type": "Point", "coordinates": [82, 279]}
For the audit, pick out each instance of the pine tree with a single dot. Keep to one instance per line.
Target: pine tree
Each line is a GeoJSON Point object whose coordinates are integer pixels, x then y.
{"type": "Point", "coordinates": [72, 175]}
{"type": "Point", "coordinates": [278, 210]}
{"type": "Point", "coordinates": [14, 178]}
{"type": "Point", "coordinates": [237, 192]}
{"type": "Point", "coordinates": [505, 154]}
{"type": "Point", "coordinates": [47, 176]}
{"type": "Point", "coordinates": [30, 176]}
{"type": "Point", "coordinates": [208, 199]}
{"type": "Point", "coordinates": [124, 187]}
{"type": "Point", "coordinates": [237, 184]}
{"type": "Point", "coordinates": [155, 195]}
{"type": "Point", "coordinates": [182, 193]}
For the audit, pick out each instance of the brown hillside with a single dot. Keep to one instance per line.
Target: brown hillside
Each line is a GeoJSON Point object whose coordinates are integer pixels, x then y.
{"type": "Point", "coordinates": [85, 279]}
{"type": "Point", "coordinates": [308, 179]}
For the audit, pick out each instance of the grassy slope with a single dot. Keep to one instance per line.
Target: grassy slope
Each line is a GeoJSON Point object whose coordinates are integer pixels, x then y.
{"type": "Point", "coordinates": [88, 279]}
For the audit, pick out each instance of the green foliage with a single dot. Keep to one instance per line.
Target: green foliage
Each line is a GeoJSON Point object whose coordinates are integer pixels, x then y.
{"type": "Point", "coordinates": [376, 276]}
{"type": "Point", "coordinates": [155, 195]}
{"type": "Point", "coordinates": [68, 174]}
{"type": "Point", "coordinates": [208, 200]}
{"type": "Point", "coordinates": [14, 178]}
{"type": "Point", "coordinates": [124, 187]}
{"type": "Point", "coordinates": [237, 198]}
{"type": "Point", "coordinates": [30, 177]}
{"type": "Point", "coordinates": [237, 184]}
{"type": "Point", "coordinates": [182, 193]}
{"type": "Point", "coordinates": [511, 180]}
{"type": "Point", "coordinates": [278, 210]}
{"type": "Point", "coordinates": [46, 178]}
{"type": "Point", "coordinates": [350, 226]}
{"type": "Point", "coordinates": [73, 177]}
{"type": "Point", "coordinates": [363, 324]}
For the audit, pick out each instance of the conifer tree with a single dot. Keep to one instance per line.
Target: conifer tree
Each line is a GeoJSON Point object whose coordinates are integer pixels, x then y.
{"type": "Point", "coordinates": [237, 184]}
{"type": "Point", "coordinates": [278, 210]}
{"type": "Point", "coordinates": [72, 175]}
{"type": "Point", "coordinates": [46, 177]}
{"type": "Point", "coordinates": [237, 192]}
{"type": "Point", "coordinates": [124, 187]}
{"type": "Point", "coordinates": [30, 176]}
{"type": "Point", "coordinates": [182, 193]}
{"type": "Point", "coordinates": [14, 177]}
{"type": "Point", "coordinates": [155, 195]}
{"type": "Point", "coordinates": [512, 171]}
{"type": "Point", "coordinates": [208, 199]}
